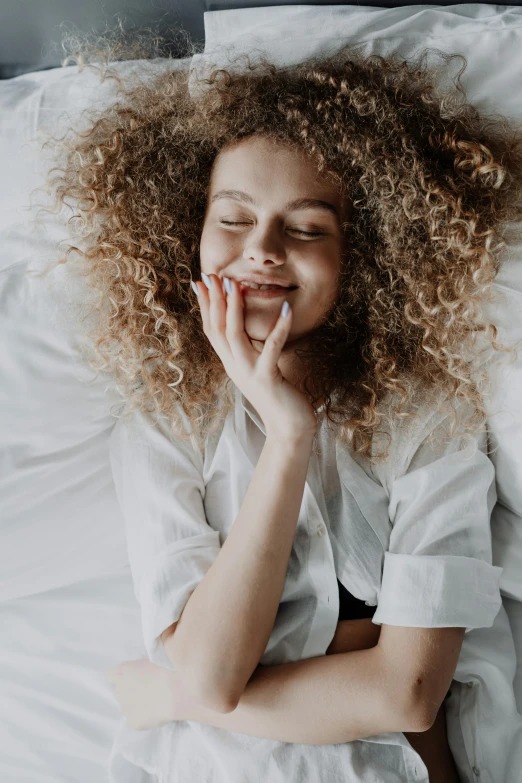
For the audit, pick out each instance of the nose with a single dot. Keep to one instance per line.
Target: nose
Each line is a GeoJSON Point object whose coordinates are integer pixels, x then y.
{"type": "Point", "coordinates": [264, 244]}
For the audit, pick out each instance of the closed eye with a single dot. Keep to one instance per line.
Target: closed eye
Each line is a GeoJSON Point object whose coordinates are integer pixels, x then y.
{"type": "Point", "coordinates": [306, 233]}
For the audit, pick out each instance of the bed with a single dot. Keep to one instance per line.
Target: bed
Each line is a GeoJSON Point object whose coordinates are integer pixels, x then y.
{"type": "Point", "coordinates": [68, 612]}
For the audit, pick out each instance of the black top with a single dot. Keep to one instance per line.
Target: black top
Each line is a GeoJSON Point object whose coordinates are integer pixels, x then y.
{"type": "Point", "coordinates": [352, 608]}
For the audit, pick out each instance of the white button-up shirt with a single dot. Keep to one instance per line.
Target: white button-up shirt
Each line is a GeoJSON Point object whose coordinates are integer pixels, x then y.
{"type": "Point", "coordinates": [410, 535]}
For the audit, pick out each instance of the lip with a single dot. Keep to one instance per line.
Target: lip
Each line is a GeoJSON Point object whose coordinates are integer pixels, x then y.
{"type": "Point", "coordinates": [275, 294]}
{"type": "Point", "coordinates": [264, 280]}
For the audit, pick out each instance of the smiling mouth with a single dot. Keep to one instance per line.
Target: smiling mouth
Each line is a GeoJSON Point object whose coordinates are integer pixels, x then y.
{"type": "Point", "coordinates": [266, 287]}
{"type": "Point", "coordinates": [267, 293]}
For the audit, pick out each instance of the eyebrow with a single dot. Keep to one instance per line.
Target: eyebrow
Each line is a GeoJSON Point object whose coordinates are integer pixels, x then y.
{"type": "Point", "coordinates": [300, 203]}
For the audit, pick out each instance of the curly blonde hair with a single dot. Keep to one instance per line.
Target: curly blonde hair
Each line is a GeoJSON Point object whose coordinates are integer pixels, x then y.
{"type": "Point", "coordinates": [431, 182]}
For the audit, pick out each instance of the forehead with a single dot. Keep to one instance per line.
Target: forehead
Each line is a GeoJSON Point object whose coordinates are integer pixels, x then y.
{"type": "Point", "coordinates": [253, 154]}
{"type": "Point", "coordinates": [246, 170]}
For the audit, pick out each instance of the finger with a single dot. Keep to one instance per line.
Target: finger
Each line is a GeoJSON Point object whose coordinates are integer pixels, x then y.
{"type": "Point", "coordinates": [275, 342]}
{"type": "Point", "coordinates": [202, 294]}
{"type": "Point", "coordinates": [204, 305]}
{"type": "Point", "coordinates": [238, 340]}
{"type": "Point", "coordinates": [217, 308]}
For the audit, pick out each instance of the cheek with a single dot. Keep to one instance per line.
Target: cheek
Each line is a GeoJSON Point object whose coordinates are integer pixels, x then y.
{"type": "Point", "coordinates": [321, 293]}
{"type": "Point", "coordinates": [322, 286]}
{"type": "Point", "coordinates": [205, 243]}
{"type": "Point", "coordinates": [214, 249]}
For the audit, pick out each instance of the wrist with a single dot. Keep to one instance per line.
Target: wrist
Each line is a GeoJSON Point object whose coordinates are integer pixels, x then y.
{"type": "Point", "coordinates": [292, 441]}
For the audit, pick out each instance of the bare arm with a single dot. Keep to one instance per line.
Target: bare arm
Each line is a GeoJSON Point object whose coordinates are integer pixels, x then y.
{"type": "Point", "coordinates": [150, 696]}
{"type": "Point", "coordinates": [227, 621]}
{"type": "Point", "coordinates": [292, 711]}
{"type": "Point", "coordinates": [317, 701]}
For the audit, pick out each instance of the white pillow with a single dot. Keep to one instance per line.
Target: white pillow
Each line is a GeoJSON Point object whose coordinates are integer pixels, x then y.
{"type": "Point", "coordinates": [490, 37]}
{"type": "Point", "coordinates": [60, 522]}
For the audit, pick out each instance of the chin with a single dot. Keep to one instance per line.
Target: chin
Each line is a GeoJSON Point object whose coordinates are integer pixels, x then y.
{"type": "Point", "coordinates": [260, 337]}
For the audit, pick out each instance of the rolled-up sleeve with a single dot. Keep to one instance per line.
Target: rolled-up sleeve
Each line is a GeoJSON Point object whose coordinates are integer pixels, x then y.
{"type": "Point", "coordinates": [438, 569]}
{"type": "Point", "coordinates": [171, 546]}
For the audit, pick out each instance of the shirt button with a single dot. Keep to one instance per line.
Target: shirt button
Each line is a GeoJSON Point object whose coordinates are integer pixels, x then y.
{"type": "Point", "coordinates": [476, 771]}
{"type": "Point", "coordinates": [470, 684]}
{"type": "Point", "coordinates": [320, 531]}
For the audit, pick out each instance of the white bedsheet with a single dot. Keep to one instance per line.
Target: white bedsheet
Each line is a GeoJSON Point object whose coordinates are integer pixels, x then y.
{"type": "Point", "coordinates": [58, 716]}
{"type": "Point", "coordinates": [67, 608]}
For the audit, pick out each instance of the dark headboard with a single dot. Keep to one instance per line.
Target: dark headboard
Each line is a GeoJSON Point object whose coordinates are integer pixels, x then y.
{"type": "Point", "coordinates": [31, 31]}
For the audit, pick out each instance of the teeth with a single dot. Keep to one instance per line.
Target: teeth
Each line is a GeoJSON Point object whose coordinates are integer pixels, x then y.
{"type": "Point", "coordinates": [261, 287]}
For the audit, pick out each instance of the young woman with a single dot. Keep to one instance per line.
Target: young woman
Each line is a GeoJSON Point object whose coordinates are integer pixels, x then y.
{"type": "Point", "coordinates": [260, 489]}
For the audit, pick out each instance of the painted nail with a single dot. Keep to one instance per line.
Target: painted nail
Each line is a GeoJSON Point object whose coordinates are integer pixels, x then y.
{"type": "Point", "coordinates": [194, 286]}
{"type": "Point", "coordinates": [228, 285]}
{"type": "Point", "coordinates": [206, 280]}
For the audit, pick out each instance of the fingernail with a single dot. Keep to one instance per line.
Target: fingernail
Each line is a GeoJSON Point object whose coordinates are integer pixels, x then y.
{"type": "Point", "coordinates": [194, 286]}
{"type": "Point", "coordinates": [285, 309]}
{"type": "Point", "coordinates": [206, 280]}
{"type": "Point", "coordinates": [228, 285]}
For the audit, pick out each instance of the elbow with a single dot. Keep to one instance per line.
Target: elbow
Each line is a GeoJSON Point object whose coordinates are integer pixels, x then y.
{"type": "Point", "coordinates": [202, 692]}
{"type": "Point", "coordinates": [217, 703]}
{"type": "Point", "coordinates": [408, 718]}
{"type": "Point", "coordinates": [213, 699]}
{"type": "Point", "coordinates": [224, 703]}
{"type": "Point", "coordinates": [206, 694]}
{"type": "Point", "coordinates": [417, 713]}
{"type": "Point", "coordinates": [419, 718]}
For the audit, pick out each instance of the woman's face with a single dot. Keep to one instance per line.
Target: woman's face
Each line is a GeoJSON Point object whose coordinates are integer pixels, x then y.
{"type": "Point", "coordinates": [267, 238]}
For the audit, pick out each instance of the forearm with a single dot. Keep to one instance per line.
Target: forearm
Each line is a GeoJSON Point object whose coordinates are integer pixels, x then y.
{"type": "Point", "coordinates": [318, 701]}
{"type": "Point", "coordinates": [227, 621]}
